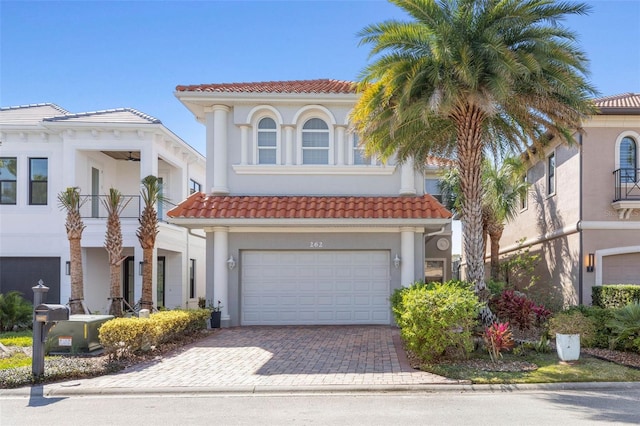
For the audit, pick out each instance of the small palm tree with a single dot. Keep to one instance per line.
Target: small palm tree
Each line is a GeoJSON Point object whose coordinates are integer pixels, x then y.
{"type": "Point", "coordinates": [502, 189]}
{"type": "Point", "coordinates": [146, 233]}
{"type": "Point", "coordinates": [466, 77]}
{"type": "Point", "coordinates": [71, 201]}
{"type": "Point", "coordinates": [114, 203]}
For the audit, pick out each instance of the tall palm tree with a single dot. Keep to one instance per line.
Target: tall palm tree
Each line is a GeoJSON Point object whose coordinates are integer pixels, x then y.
{"type": "Point", "coordinates": [114, 203]}
{"type": "Point", "coordinates": [71, 201]}
{"type": "Point", "coordinates": [464, 77]}
{"type": "Point", "coordinates": [146, 233]}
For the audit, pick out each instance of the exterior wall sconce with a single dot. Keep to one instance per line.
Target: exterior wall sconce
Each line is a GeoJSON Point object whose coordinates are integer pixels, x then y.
{"type": "Point", "coordinates": [231, 262]}
{"type": "Point", "coordinates": [141, 267]}
{"type": "Point", "coordinates": [591, 262]}
{"type": "Point", "coordinates": [67, 268]}
{"type": "Point", "coordinates": [396, 261]}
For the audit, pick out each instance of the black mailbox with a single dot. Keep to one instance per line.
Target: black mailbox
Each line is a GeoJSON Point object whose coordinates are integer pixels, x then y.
{"type": "Point", "coordinates": [51, 313]}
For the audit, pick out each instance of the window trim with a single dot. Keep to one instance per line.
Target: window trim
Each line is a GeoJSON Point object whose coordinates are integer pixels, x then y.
{"type": "Point", "coordinates": [15, 183]}
{"type": "Point", "coordinates": [549, 176]}
{"type": "Point", "coordinates": [328, 149]}
{"type": "Point", "coordinates": [635, 137]}
{"type": "Point", "coordinates": [31, 182]}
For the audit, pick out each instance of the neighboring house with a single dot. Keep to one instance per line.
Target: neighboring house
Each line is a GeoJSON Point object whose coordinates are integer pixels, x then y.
{"type": "Point", "coordinates": [46, 149]}
{"type": "Point", "coordinates": [582, 213]}
{"type": "Point", "coordinates": [302, 227]}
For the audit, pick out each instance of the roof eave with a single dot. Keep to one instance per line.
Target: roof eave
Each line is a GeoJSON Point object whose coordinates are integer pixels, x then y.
{"type": "Point", "coordinates": [271, 222]}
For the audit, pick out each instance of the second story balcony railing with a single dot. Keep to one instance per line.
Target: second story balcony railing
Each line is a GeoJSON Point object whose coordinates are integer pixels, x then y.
{"type": "Point", "coordinates": [627, 184]}
{"type": "Point", "coordinates": [93, 207]}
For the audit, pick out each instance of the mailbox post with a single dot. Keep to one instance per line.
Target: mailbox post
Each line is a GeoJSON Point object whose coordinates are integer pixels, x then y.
{"type": "Point", "coordinates": [44, 317]}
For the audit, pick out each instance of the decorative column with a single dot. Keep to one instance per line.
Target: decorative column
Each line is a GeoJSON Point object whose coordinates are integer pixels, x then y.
{"type": "Point", "coordinates": [244, 145]}
{"type": "Point", "coordinates": [407, 178]}
{"type": "Point", "coordinates": [216, 120]}
{"type": "Point", "coordinates": [407, 254]}
{"type": "Point", "coordinates": [220, 271]}
{"type": "Point", "coordinates": [340, 130]}
{"type": "Point", "coordinates": [288, 144]}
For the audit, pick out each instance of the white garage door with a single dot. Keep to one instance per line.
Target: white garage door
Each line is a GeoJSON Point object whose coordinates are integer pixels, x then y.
{"type": "Point", "coordinates": [315, 287]}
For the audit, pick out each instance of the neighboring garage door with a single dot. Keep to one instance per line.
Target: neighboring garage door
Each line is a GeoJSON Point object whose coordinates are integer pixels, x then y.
{"type": "Point", "coordinates": [315, 287]}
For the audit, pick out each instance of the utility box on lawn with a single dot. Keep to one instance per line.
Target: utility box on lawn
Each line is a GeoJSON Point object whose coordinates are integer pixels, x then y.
{"type": "Point", "coordinates": [79, 334]}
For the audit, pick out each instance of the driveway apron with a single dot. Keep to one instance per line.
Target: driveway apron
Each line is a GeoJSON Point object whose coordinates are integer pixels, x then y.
{"type": "Point", "coordinates": [279, 356]}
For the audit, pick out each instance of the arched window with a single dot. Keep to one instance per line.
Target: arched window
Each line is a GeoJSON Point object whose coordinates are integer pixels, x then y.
{"type": "Point", "coordinates": [315, 142]}
{"type": "Point", "coordinates": [359, 156]}
{"type": "Point", "coordinates": [267, 141]}
{"type": "Point", "coordinates": [628, 160]}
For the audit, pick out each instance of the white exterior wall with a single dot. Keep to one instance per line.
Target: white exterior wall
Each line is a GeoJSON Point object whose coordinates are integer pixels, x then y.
{"type": "Point", "coordinates": [73, 149]}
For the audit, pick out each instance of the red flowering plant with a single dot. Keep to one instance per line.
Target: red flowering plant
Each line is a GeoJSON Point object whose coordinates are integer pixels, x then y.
{"type": "Point", "coordinates": [498, 338]}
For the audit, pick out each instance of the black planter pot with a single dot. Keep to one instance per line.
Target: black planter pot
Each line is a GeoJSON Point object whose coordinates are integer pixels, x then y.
{"type": "Point", "coordinates": [215, 319]}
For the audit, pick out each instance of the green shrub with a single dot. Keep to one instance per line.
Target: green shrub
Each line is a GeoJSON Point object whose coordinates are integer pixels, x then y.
{"type": "Point", "coordinates": [615, 296]}
{"type": "Point", "coordinates": [15, 312]}
{"type": "Point", "coordinates": [124, 337]}
{"type": "Point", "coordinates": [625, 327]}
{"type": "Point", "coordinates": [436, 318]}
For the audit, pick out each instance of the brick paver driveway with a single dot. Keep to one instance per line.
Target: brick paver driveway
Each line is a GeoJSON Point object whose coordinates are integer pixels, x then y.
{"type": "Point", "coordinates": [280, 356]}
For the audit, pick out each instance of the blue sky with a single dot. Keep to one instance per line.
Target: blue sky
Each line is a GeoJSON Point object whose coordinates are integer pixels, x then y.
{"type": "Point", "coordinates": [93, 55]}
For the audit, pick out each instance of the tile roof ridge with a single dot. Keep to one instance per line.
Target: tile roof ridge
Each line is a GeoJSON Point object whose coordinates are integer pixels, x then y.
{"type": "Point", "coordinates": [43, 104]}
{"type": "Point", "coordinates": [274, 86]}
{"type": "Point", "coordinates": [140, 114]}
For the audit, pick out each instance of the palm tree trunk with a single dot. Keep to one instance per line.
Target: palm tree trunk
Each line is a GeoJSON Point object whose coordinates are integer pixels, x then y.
{"type": "Point", "coordinates": [496, 234]}
{"type": "Point", "coordinates": [115, 293]}
{"type": "Point", "coordinates": [147, 279]}
{"type": "Point", "coordinates": [469, 120]}
{"type": "Point", "coordinates": [77, 290]}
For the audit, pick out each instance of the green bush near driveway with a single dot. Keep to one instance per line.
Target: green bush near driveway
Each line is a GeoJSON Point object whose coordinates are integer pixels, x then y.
{"type": "Point", "coordinates": [437, 318]}
{"type": "Point", "coordinates": [124, 337]}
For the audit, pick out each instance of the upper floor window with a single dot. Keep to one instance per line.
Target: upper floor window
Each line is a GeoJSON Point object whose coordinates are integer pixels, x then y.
{"type": "Point", "coordinates": [359, 156]}
{"type": "Point", "coordinates": [551, 174]}
{"type": "Point", "coordinates": [38, 180]}
{"type": "Point", "coordinates": [194, 186]}
{"type": "Point", "coordinates": [315, 142]}
{"type": "Point", "coordinates": [267, 141]}
{"type": "Point", "coordinates": [432, 187]}
{"type": "Point", "coordinates": [628, 160]}
{"type": "Point", "coordinates": [8, 172]}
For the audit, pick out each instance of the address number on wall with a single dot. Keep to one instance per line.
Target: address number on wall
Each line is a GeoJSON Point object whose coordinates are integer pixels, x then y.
{"type": "Point", "coordinates": [316, 244]}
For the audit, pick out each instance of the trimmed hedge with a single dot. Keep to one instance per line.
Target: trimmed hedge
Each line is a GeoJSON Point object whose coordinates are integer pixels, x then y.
{"type": "Point", "coordinates": [615, 295]}
{"type": "Point", "coordinates": [124, 337]}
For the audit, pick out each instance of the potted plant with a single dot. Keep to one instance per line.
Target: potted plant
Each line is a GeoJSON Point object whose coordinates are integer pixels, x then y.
{"type": "Point", "coordinates": [216, 314]}
{"type": "Point", "coordinates": [569, 326]}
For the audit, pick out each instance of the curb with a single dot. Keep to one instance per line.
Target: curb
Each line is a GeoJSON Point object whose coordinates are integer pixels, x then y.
{"type": "Point", "coordinates": [75, 389]}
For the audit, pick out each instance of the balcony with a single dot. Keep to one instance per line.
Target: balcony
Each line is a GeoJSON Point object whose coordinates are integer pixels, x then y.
{"type": "Point", "coordinates": [626, 192]}
{"type": "Point", "coordinates": [93, 207]}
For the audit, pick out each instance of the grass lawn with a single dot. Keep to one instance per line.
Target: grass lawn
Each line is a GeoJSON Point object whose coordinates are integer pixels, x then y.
{"type": "Point", "coordinates": [550, 369]}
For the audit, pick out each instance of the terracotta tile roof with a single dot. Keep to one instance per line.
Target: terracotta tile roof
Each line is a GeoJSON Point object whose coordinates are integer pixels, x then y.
{"type": "Point", "coordinates": [626, 102]}
{"type": "Point", "coordinates": [439, 162]}
{"type": "Point", "coordinates": [295, 86]}
{"type": "Point", "coordinates": [201, 206]}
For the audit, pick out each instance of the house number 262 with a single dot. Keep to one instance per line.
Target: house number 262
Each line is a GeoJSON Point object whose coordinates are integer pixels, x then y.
{"type": "Point", "coordinates": [315, 244]}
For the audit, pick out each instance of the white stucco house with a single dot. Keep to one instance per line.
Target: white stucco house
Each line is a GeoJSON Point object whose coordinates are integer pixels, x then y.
{"type": "Point", "coordinates": [301, 227]}
{"type": "Point", "coordinates": [45, 149]}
